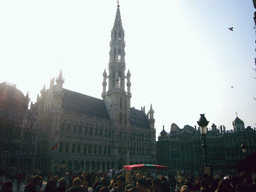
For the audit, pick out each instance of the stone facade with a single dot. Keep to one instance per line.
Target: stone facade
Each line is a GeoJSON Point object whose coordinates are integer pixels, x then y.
{"type": "Point", "coordinates": [181, 149]}
{"type": "Point", "coordinates": [79, 132]}
{"type": "Point", "coordinates": [17, 129]}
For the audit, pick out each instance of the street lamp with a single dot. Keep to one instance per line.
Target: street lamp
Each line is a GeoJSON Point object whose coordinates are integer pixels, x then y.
{"type": "Point", "coordinates": [203, 131]}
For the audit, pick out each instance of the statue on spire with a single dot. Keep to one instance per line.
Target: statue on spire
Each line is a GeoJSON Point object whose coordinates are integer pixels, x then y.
{"type": "Point", "coordinates": [118, 5]}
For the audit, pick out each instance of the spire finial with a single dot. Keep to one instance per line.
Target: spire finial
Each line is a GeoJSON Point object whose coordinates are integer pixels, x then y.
{"type": "Point", "coordinates": [118, 5]}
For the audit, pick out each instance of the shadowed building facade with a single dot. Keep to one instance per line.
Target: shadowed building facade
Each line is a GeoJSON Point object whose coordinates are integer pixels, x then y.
{"type": "Point", "coordinates": [80, 132]}
{"type": "Point", "coordinates": [181, 149]}
{"type": "Point", "coordinates": [17, 130]}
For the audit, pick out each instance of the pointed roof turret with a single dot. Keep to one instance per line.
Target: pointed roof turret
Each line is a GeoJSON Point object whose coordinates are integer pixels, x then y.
{"type": "Point", "coordinates": [60, 75]}
{"type": "Point", "coordinates": [151, 108]}
{"type": "Point", "coordinates": [60, 80]}
{"type": "Point", "coordinates": [105, 73]}
{"type": "Point", "coordinates": [163, 132]}
{"type": "Point", "coordinates": [118, 21]}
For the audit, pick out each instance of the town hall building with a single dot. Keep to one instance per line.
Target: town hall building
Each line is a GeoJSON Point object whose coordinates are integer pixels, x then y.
{"type": "Point", "coordinates": [80, 132]}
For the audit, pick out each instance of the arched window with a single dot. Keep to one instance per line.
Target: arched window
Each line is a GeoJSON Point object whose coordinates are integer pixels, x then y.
{"type": "Point", "coordinates": [119, 57]}
{"type": "Point", "coordinates": [120, 118]}
{"type": "Point", "coordinates": [114, 55]}
{"type": "Point", "coordinates": [61, 147]}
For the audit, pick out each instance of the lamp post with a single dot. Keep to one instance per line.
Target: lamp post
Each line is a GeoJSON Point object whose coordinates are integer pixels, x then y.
{"type": "Point", "coordinates": [203, 131]}
{"type": "Point", "coordinates": [244, 148]}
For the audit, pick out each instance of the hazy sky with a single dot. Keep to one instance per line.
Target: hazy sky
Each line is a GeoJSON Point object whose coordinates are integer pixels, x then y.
{"type": "Point", "coordinates": [182, 57]}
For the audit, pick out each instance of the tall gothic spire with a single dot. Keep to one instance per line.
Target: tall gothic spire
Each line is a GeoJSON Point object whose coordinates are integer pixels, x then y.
{"type": "Point", "coordinates": [117, 97]}
{"type": "Point", "coordinates": [117, 55]}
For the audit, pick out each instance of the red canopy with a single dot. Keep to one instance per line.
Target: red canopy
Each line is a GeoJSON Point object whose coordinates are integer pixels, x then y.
{"type": "Point", "coordinates": [143, 166]}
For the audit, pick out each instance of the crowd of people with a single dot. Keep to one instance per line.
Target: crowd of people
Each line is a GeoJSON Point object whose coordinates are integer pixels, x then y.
{"type": "Point", "coordinates": [128, 181]}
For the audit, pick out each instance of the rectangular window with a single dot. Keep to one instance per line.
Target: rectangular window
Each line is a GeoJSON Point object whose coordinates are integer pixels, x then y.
{"type": "Point", "coordinates": [85, 130]}
{"type": "Point", "coordinates": [80, 129]}
{"type": "Point", "coordinates": [61, 147]}
{"type": "Point", "coordinates": [84, 149]}
{"type": "Point", "coordinates": [68, 127]}
{"type": "Point", "coordinates": [74, 130]}
{"type": "Point", "coordinates": [78, 148]}
{"type": "Point", "coordinates": [96, 132]}
{"type": "Point", "coordinates": [62, 128]}
{"type": "Point", "coordinates": [90, 149]}
{"type": "Point", "coordinates": [66, 148]}
{"type": "Point", "coordinates": [73, 148]}
{"type": "Point", "coordinates": [95, 149]}
{"type": "Point", "coordinates": [108, 151]}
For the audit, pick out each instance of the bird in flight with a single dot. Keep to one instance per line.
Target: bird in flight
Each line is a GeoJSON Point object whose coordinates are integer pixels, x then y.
{"type": "Point", "coordinates": [231, 28]}
{"type": "Point", "coordinates": [232, 86]}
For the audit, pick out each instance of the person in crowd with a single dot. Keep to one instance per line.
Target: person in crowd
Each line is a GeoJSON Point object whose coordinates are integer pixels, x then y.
{"type": "Point", "coordinates": [99, 176]}
{"type": "Point", "coordinates": [112, 182]}
{"type": "Point", "coordinates": [120, 184]}
{"type": "Point", "coordinates": [7, 186]}
{"type": "Point", "coordinates": [105, 180]}
{"type": "Point", "coordinates": [68, 180]}
{"type": "Point", "coordinates": [165, 184]}
{"type": "Point", "coordinates": [172, 182]}
{"type": "Point", "coordinates": [51, 184]}
{"type": "Point", "coordinates": [180, 179]}
{"type": "Point", "coordinates": [186, 187]}
{"type": "Point", "coordinates": [207, 184]}
{"type": "Point", "coordinates": [19, 178]}
{"type": "Point", "coordinates": [96, 184]}
{"type": "Point", "coordinates": [156, 185]}
{"type": "Point", "coordinates": [62, 187]}
{"type": "Point", "coordinates": [35, 184]}
{"type": "Point", "coordinates": [197, 184]}
{"type": "Point", "coordinates": [74, 175]}
{"type": "Point", "coordinates": [2, 178]}
{"type": "Point", "coordinates": [149, 184]}
{"type": "Point", "coordinates": [104, 189]}
{"type": "Point", "coordinates": [141, 185]}
{"type": "Point", "coordinates": [56, 177]}
{"type": "Point", "coordinates": [128, 187]}
{"type": "Point", "coordinates": [224, 186]}
{"type": "Point", "coordinates": [77, 186]}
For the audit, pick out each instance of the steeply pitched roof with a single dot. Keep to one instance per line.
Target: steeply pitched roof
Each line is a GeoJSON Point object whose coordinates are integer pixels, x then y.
{"type": "Point", "coordinates": [84, 104]}
{"type": "Point", "coordinates": [138, 118]}
{"type": "Point", "coordinates": [237, 121]}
